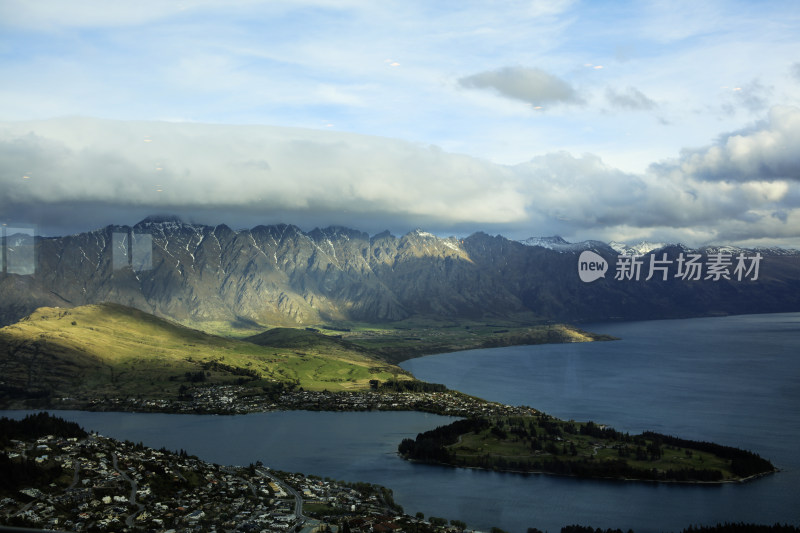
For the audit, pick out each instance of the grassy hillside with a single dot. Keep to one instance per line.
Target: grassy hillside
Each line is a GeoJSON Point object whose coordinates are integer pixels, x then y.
{"type": "Point", "coordinates": [406, 339]}
{"type": "Point", "coordinates": [303, 339]}
{"type": "Point", "coordinates": [113, 350]}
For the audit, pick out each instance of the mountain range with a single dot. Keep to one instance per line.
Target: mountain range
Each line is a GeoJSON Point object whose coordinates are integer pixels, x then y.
{"type": "Point", "coordinates": [280, 275]}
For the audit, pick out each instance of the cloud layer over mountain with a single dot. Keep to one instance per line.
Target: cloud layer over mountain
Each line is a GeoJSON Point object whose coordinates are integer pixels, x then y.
{"type": "Point", "coordinates": [744, 187]}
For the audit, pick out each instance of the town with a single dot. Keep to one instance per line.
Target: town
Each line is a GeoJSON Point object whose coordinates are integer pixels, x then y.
{"type": "Point", "coordinates": [108, 485]}
{"type": "Point", "coordinates": [236, 399]}
{"type": "Point", "coordinates": [102, 484]}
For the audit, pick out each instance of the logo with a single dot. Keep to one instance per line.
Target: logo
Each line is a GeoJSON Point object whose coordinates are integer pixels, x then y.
{"type": "Point", "coordinates": [686, 266]}
{"type": "Point", "coordinates": [591, 266]}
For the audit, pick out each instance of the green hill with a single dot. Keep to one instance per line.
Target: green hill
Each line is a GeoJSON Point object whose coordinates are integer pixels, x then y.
{"type": "Point", "coordinates": [302, 339]}
{"type": "Point", "coordinates": [113, 350]}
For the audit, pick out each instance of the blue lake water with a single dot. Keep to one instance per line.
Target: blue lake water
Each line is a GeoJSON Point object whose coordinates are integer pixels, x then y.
{"type": "Point", "coordinates": [733, 380]}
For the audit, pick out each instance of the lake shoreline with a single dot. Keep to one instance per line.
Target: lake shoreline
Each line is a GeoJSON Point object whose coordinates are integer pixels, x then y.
{"type": "Point", "coordinates": [622, 480]}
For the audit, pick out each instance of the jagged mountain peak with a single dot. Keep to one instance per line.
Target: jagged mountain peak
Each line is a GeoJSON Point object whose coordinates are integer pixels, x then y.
{"type": "Point", "coordinates": [558, 244]}
{"type": "Point", "coordinates": [418, 232]}
{"type": "Point", "coordinates": [545, 242]}
{"type": "Point", "coordinates": [280, 275]}
{"type": "Point", "coordinates": [641, 248]}
{"type": "Point", "coordinates": [385, 234]}
{"type": "Point", "coordinates": [160, 219]}
{"type": "Point", "coordinates": [337, 232]}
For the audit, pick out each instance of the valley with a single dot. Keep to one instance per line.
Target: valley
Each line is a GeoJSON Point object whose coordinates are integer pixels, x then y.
{"type": "Point", "coordinates": [113, 356]}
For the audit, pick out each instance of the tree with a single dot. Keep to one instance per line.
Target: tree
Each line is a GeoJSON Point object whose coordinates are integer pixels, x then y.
{"type": "Point", "coordinates": [461, 526]}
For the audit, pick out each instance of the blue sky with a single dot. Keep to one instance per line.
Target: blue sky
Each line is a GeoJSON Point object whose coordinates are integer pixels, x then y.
{"type": "Point", "coordinates": [676, 121]}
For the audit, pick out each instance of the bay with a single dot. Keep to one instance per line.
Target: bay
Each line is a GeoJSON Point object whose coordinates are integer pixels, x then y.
{"type": "Point", "coordinates": [733, 380]}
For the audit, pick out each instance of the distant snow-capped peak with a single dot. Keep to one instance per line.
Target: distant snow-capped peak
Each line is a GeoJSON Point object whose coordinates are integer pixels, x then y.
{"type": "Point", "coordinates": [641, 248]}
{"type": "Point", "coordinates": [425, 234]}
{"type": "Point", "coordinates": [558, 244]}
{"type": "Point", "coordinates": [545, 242]}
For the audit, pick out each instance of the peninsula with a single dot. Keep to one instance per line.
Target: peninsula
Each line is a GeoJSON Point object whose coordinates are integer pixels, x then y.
{"type": "Point", "coordinates": [540, 443]}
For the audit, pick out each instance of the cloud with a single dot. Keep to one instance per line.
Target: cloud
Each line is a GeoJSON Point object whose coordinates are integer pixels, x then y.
{"type": "Point", "coordinates": [582, 190]}
{"type": "Point", "coordinates": [744, 188]}
{"type": "Point", "coordinates": [85, 173]}
{"type": "Point", "coordinates": [93, 14]}
{"type": "Point", "coordinates": [165, 166]}
{"type": "Point", "coordinates": [754, 96]}
{"type": "Point", "coordinates": [531, 85]}
{"type": "Point", "coordinates": [795, 70]}
{"type": "Point", "coordinates": [769, 151]}
{"type": "Point", "coordinates": [631, 99]}
{"type": "Point", "coordinates": [584, 196]}
{"type": "Point", "coordinates": [84, 13]}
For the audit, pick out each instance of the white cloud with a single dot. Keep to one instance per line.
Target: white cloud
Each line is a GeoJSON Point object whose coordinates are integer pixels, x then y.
{"type": "Point", "coordinates": [195, 165]}
{"type": "Point", "coordinates": [96, 168]}
{"type": "Point", "coordinates": [86, 13]}
{"type": "Point", "coordinates": [97, 13]}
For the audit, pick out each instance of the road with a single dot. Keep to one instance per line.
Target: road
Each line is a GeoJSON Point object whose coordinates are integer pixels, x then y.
{"type": "Point", "coordinates": [298, 499]}
{"type": "Point", "coordinates": [132, 498]}
{"type": "Point", "coordinates": [76, 476]}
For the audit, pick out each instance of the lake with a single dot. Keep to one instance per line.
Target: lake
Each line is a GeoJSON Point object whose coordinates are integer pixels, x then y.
{"type": "Point", "coordinates": [733, 380]}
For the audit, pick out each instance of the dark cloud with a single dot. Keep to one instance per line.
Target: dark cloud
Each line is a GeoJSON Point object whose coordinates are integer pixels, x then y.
{"type": "Point", "coordinates": [68, 218]}
{"type": "Point", "coordinates": [769, 151]}
{"type": "Point", "coordinates": [630, 98]}
{"type": "Point", "coordinates": [592, 198]}
{"type": "Point", "coordinates": [781, 215]}
{"type": "Point", "coordinates": [531, 85]}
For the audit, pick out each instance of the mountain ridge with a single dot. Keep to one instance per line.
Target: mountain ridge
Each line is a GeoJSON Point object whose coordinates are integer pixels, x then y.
{"type": "Point", "coordinates": [279, 275]}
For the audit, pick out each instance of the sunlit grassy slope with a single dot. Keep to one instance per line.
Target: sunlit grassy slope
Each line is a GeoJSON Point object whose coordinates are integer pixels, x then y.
{"type": "Point", "coordinates": [115, 350]}
{"type": "Point", "coordinates": [403, 340]}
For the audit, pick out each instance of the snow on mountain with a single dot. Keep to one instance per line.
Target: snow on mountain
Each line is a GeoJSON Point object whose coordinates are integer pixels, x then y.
{"type": "Point", "coordinates": [641, 248]}
{"type": "Point", "coordinates": [545, 242]}
{"type": "Point", "coordinates": [423, 234]}
{"type": "Point", "coordinates": [558, 244]}
{"type": "Point", "coordinates": [735, 250]}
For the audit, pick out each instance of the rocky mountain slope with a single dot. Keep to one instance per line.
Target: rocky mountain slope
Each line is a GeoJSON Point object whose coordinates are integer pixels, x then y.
{"type": "Point", "coordinates": [280, 275]}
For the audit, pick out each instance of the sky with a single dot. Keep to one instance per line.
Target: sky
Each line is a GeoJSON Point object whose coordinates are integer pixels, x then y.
{"type": "Point", "coordinates": [672, 121]}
